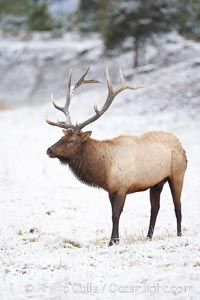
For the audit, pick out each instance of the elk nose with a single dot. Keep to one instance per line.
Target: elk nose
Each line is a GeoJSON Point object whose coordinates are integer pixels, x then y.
{"type": "Point", "coordinates": [49, 151]}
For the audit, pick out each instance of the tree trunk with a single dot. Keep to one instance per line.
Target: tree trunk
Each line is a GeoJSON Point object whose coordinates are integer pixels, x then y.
{"type": "Point", "coordinates": [136, 52]}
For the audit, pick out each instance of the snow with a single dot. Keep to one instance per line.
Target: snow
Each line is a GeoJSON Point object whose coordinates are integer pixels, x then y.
{"type": "Point", "coordinates": [66, 256]}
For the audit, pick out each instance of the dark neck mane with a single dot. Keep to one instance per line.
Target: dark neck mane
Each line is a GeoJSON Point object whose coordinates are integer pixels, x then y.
{"type": "Point", "coordinates": [90, 166]}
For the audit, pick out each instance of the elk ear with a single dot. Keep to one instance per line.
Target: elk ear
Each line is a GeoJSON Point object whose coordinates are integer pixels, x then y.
{"type": "Point", "coordinates": [85, 136]}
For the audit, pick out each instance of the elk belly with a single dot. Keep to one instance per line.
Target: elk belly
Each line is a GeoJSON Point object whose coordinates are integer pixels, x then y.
{"type": "Point", "coordinates": [149, 165]}
{"type": "Point", "coordinates": [151, 169]}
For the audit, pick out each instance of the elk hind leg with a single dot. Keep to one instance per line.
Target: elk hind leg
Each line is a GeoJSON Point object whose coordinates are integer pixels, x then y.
{"type": "Point", "coordinates": [176, 189]}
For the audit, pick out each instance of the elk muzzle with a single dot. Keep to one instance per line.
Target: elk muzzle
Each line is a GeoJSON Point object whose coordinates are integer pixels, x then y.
{"type": "Point", "coordinates": [51, 153]}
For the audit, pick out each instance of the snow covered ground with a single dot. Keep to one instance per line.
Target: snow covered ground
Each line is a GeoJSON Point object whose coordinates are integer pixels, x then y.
{"type": "Point", "coordinates": [66, 254]}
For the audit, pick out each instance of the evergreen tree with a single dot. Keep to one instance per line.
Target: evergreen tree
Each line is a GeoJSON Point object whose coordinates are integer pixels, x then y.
{"type": "Point", "coordinates": [92, 14]}
{"type": "Point", "coordinates": [39, 17]}
{"type": "Point", "coordinates": [139, 19]}
{"type": "Point", "coordinates": [188, 18]}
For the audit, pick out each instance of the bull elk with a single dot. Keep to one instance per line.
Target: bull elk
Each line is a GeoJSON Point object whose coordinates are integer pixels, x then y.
{"type": "Point", "coordinates": [123, 165]}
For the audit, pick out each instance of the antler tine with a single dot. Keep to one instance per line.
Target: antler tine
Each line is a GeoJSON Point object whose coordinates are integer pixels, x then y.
{"type": "Point", "coordinates": [51, 122]}
{"type": "Point", "coordinates": [65, 108]}
{"type": "Point", "coordinates": [68, 97]}
{"type": "Point", "coordinates": [55, 104]}
{"type": "Point", "coordinates": [110, 89]}
{"type": "Point", "coordinates": [123, 85]}
{"type": "Point", "coordinates": [121, 77]}
{"type": "Point", "coordinates": [82, 79]}
{"type": "Point", "coordinates": [61, 124]}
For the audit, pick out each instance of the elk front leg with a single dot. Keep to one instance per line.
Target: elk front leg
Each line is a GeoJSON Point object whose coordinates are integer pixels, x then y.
{"type": "Point", "coordinates": [117, 204]}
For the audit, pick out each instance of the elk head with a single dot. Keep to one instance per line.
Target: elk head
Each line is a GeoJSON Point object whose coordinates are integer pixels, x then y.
{"type": "Point", "coordinates": [70, 145]}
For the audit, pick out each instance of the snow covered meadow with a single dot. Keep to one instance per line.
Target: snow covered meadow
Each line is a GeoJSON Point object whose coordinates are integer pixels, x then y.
{"type": "Point", "coordinates": [54, 230]}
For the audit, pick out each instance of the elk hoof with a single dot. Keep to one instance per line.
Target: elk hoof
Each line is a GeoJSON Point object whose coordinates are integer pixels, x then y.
{"type": "Point", "coordinates": [179, 234]}
{"type": "Point", "coordinates": [113, 242]}
{"type": "Point", "coordinates": [149, 238]}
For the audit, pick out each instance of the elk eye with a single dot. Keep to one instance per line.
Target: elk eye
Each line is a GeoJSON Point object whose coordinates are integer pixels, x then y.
{"type": "Point", "coordinates": [71, 141]}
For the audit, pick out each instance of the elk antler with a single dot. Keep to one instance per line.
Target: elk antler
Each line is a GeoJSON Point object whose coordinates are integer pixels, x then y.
{"type": "Point", "coordinates": [111, 95]}
{"type": "Point", "coordinates": [70, 91]}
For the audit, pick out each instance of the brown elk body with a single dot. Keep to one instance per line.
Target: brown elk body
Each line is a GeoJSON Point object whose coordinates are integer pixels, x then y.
{"type": "Point", "coordinates": [124, 165]}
